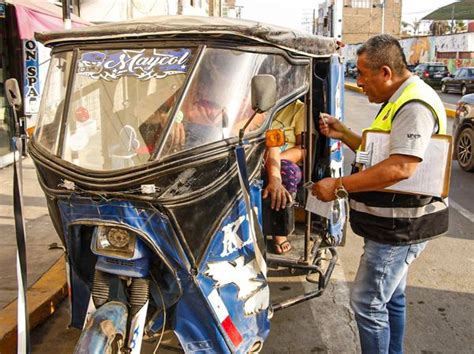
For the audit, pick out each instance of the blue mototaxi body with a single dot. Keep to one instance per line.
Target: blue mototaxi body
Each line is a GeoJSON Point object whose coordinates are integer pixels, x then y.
{"type": "Point", "coordinates": [213, 314]}
{"type": "Point", "coordinates": [336, 158]}
{"type": "Point", "coordinates": [193, 230]}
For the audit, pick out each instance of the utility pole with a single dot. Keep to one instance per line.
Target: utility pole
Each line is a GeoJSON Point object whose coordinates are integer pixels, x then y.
{"type": "Point", "coordinates": [215, 8]}
{"type": "Point", "coordinates": [336, 19]}
{"type": "Point", "coordinates": [67, 14]}
{"type": "Point", "coordinates": [382, 4]}
{"type": "Point", "coordinates": [452, 18]}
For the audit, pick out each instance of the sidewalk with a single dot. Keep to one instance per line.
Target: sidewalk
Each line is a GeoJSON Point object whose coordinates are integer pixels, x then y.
{"type": "Point", "coordinates": [46, 272]}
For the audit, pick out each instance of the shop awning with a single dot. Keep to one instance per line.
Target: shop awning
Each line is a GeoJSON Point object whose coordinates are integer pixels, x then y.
{"type": "Point", "coordinates": [40, 16]}
{"type": "Point", "coordinates": [459, 10]}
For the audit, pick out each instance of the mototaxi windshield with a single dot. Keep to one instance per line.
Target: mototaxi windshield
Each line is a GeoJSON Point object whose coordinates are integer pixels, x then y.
{"type": "Point", "coordinates": [127, 107]}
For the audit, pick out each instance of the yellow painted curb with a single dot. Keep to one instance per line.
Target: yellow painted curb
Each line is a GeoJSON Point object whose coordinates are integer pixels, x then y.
{"type": "Point", "coordinates": [450, 113]}
{"type": "Point", "coordinates": [43, 298]}
{"type": "Point", "coordinates": [352, 87]}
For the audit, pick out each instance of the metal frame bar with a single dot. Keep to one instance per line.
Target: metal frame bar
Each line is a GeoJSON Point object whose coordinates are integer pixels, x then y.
{"type": "Point", "coordinates": [322, 282]}
{"type": "Point", "coordinates": [311, 258]}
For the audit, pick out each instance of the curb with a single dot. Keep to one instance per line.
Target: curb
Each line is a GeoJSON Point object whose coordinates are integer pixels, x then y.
{"type": "Point", "coordinates": [450, 113]}
{"type": "Point", "coordinates": [43, 297]}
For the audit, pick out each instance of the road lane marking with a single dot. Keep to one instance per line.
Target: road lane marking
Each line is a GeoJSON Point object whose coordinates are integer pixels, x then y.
{"type": "Point", "coordinates": [461, 210]}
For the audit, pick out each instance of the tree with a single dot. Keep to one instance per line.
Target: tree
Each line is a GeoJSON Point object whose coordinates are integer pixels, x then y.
{"type": "Point", "coordinates": [415, 26]}
{"type": "Point", "coordinates": [460, 26]}
{"type": "Point", "coordinates": [438, 28]}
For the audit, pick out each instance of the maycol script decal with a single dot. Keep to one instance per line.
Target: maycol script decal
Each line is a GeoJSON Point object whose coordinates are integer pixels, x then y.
{"type": "Point", "coordinates": [144, 64]}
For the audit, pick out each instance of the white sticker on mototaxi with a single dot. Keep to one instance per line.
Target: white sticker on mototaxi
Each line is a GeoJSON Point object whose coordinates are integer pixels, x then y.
{"type": "Point", "coordinates": [232, 242]}
{"type": "Point", "coordinates": [252, 288]}
{"type": "Point", "coordinates": [144, 64]}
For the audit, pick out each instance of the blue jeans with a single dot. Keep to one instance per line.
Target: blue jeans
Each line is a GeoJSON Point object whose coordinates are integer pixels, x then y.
{"type": "Point", "coordinates": [378, 295]}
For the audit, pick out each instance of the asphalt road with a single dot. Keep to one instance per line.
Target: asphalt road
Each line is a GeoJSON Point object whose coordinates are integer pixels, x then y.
{"type": "Point", "coordinates": [449, 98]}
{"type": "Point", "coordinates": [440, 288]}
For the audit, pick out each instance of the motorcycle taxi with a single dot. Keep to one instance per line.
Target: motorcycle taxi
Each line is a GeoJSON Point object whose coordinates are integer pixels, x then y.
{"type": "Point", "coordinates": [149, 149]}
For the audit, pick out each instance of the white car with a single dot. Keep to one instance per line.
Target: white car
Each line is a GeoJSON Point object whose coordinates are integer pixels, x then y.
{"type": "Point", "coordinates": [463, 132]}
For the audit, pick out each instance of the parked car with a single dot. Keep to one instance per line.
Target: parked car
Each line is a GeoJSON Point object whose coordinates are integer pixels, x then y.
{"type": "Point", "coordinates": [462, 81]}
{"type": "Point", "coordinates": [351, 69]}
{"type": "Point", "coordinates": [432, 73]}
{"type": "Point", "coordinates": [463, 133]}
{"type": "Point", "coordinates": [411, 67]}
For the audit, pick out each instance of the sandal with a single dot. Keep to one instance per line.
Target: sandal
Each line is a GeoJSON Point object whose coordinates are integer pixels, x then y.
{"type": "Point", "coordinates": [282, 247]}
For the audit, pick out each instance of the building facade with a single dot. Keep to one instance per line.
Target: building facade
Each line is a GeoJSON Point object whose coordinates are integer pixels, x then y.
{"type": "Point", "coordinates": [361, 19]}
{"type": "Point", "coordinates": [454, 50]}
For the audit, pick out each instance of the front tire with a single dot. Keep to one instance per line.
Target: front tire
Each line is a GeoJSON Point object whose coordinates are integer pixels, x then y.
{"type": "Point", "coordinates": [463, 90]}
{"type": "Point", "coordinates": [464, 149]}
{"type": "Point", "coordinates": [443, 88]}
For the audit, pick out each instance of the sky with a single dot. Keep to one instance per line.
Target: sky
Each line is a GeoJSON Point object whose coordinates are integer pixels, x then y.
{"type": "Point", "coordinates": [284, 13]}
{"type": "Point", "coordinates": [414, 10]}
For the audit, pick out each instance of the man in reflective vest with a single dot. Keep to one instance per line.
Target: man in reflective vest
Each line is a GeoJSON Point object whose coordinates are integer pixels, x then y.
{"type": "Point", "coordinates": [395, 226]}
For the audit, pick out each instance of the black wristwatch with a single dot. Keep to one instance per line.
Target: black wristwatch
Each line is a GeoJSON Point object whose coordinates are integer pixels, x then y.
{"type": "Point", "coordinates": [340, 191]}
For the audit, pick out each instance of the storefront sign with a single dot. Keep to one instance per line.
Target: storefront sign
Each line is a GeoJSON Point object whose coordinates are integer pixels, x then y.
{"type": "Point", "coordinates": [31, 84]}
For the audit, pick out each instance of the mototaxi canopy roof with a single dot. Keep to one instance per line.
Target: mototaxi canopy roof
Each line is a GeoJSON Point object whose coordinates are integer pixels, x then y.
{"type": "Point", "coordinates": [178, 26]}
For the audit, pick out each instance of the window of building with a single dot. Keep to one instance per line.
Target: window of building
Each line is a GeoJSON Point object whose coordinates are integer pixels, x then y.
{"type": "Point", "coordinates": [365, 4]}
{"type": "Point", "coordinates": [466, 55]}
{"type": "Point", "coordinates": [446, 55]}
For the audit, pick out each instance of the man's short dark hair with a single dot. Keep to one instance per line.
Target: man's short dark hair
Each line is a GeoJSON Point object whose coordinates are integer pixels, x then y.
{"type": "Point", "coordinates": [384, 49]}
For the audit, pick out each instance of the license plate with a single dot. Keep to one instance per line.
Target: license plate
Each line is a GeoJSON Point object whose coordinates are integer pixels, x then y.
{"type": "Point", "coordinates": [437, 76]}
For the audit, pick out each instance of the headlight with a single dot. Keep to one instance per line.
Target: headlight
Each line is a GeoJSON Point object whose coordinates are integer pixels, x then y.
{"type": "Point", "coordinates": [114, 242]}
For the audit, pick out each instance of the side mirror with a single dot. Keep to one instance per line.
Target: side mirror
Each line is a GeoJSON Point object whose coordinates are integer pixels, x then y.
{"type": "Point", "coordinates": [13, 94]}
{"type": "Point", "coordinates": [263, 92]}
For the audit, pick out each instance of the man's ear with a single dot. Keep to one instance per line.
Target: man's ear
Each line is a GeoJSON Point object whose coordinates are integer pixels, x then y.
{"type": "Point", "coordinates": [387, 72]}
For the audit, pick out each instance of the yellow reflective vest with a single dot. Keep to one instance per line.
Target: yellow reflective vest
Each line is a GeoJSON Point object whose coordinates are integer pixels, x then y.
{"type": "Point", "coordinates": [396, 218]}
{"type": "Point", "coordinates": [417, 91]}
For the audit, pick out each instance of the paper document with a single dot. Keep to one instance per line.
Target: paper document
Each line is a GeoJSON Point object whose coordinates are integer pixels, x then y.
{"type": "Point", "coordinates": [432, 174]}
{"type": "Point", "coordinates": [316, 206]}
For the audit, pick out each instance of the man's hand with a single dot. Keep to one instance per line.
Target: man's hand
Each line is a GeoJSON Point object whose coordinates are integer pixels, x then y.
{"type": "Point", "coordinates": [325, 189]}
{"type": "Point", "coordinates": [331, 126]}
{"type": "Point", "coordinates": [278, 194]}
{"type": "Point", "coordinates": [177, 135]}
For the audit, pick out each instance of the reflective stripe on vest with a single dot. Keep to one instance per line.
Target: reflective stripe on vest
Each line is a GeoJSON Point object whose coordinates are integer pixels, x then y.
{"type": "Point", "coordinates": [400, 212]}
